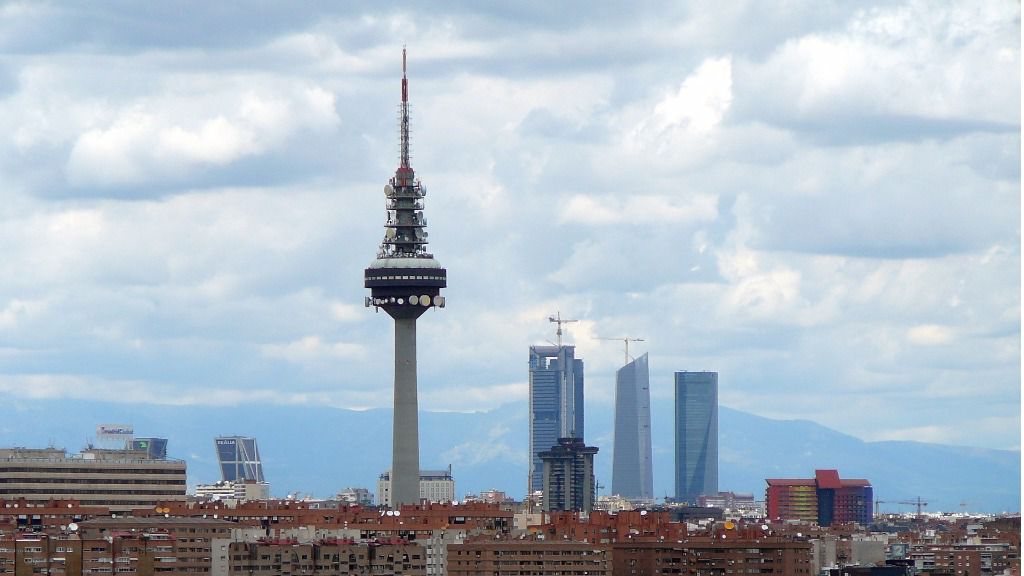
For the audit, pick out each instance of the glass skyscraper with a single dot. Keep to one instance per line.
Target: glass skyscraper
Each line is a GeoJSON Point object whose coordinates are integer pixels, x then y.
{"type": "Point", "coordinates": [696, 435]}
{"type": "Point", "coordinates": [239, 459]}
{"type": "Point", "coordinates": [632, 475]}
{"type": "Point", "coordinates": [556, 403]}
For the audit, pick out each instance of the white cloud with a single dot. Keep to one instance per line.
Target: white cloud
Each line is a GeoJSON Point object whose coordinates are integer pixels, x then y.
{"type": "Point", "coordinates": [701, 102]}
{"type": "Point", "coordinates": [170, 137]}
{"type": "Point", "coordinates": [681, 122]}
{"type": "Point", "coordinates": [313, 349]}
{"type": "Point", "coordinates": [903, 60]}
{"type": "Point", "coordinates": [930, 335]}
{"type": "Point", "coordinates": [640, 209]}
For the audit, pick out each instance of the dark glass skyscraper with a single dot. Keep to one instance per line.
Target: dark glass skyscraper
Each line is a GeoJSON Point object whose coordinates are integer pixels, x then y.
{"type": "Point", "coordinates": [155, 447]}
{"type": "Point", "coordinates": [632, 475]}
{"type": "Point", "coordinates": [239, 459]}
{"type": "Point", "coordinates": [556, 403]}
{"type": "Point", "coordinates": [568, 476]}
{"type": "Point", "coordinates": [696, 435]}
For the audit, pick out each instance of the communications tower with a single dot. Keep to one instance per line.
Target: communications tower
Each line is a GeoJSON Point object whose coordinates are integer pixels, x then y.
{"type": "Point", "coordinates": [405, 281]}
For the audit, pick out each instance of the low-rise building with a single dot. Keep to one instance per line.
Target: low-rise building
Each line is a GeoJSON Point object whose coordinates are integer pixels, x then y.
{"type": "Point", "coordinates": [528, 556]}
{"type": "Point", "coordinates": [116, 479]}
{"type": "Point", "coordinates": [825, 499]}
{"type": "Point", "coordinates": [436, 486]}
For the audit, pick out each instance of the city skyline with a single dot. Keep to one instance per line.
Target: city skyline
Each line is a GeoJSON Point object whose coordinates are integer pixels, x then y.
{"type": "Point", "coordinates": [813, 201]}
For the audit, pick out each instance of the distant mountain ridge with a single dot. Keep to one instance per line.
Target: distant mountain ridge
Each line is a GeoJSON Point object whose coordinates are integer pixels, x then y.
{"type": "Point", "coordinates": [319, 450]}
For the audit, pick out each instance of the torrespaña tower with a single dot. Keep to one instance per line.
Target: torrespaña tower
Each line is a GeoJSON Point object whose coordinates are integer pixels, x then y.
{"type": "Point", "coordinates": [405, 281]}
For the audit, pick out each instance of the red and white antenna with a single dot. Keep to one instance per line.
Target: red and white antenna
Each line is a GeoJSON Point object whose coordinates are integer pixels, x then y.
{"type": "Point", "coordinates": [404, 127]}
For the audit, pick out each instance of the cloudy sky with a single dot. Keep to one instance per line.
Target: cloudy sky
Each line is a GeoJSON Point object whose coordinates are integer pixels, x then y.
{"type": "Point", "coordinates": [819, 200]}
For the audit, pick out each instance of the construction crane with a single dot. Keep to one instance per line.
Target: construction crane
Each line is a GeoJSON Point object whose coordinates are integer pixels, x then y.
{"type": "Point", "coordinates": [918, 502]}
{"type": "Point", "coordinates": [625, 340]}
{"type": "Point", "coordinates": [557, 319]}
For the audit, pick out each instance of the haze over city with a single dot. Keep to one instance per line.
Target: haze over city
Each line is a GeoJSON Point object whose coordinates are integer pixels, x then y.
{"type": "Point", "coordinates": [821, 203]}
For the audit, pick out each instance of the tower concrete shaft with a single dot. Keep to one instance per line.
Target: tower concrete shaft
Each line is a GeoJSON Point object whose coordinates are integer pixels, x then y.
{"type": "Point", "coordinates": [405, 463]}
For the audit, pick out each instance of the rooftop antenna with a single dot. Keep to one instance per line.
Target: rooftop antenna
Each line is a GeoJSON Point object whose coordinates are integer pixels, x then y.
{"type": "Point", "coordinates": [557, 319]}
{"type": "Point", "coordinates": [625, 340]}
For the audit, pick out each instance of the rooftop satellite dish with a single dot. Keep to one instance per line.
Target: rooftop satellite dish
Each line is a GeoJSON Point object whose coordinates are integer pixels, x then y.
{"type": "Point", "coordinates": [73, 527]}
{"type": "Point", "coordinates": [389, 191]}
{"type": "Point", "coordinates": [398, 512]}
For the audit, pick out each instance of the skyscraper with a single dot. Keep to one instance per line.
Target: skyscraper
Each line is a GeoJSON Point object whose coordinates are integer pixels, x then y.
{"type": "Point", "coordinates": [405, 281]}
{"type": "Point", "coordinates": [632, 475]}
{"type": "Point", "coordinates": [696, 435]}
{"type": "Point", "coordinates": [239, 459]}
{"type": "Point", "coordinates": [556, 403]}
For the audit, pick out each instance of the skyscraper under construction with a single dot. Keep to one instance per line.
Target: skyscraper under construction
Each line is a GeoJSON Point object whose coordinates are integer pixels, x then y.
{"type": "Point", "coordinates": [556, 403]}
{"type": "Point", "coordinates": [632, 468]}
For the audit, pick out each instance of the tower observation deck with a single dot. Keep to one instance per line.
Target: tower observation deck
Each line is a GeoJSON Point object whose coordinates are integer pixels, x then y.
{"type": "Point", "coordinates": [405, 281]}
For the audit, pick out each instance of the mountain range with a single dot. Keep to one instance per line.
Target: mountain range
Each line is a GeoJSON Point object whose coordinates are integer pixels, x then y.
{"type": "Point", "coordinates": [320, 450]}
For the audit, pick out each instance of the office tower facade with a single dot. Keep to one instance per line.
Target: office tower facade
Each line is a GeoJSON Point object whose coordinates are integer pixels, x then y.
{"type": "Point", "coordinates": [556, 403]}
{"type": "Point", "coordinates": [239, 459]}
{"type": "Point", "coordinates": [632, 466]}
{"type": "Point", "coordinates": [568, 476]}
{"type": "Point", "coordinates": [696, 405]}
{"type": "Point", "coordinates": [436, 486]}
{"type": "Point", "coordinates": [121, 480]}
{"type": "Point", "coordinates": [405, 281]}
{"type": "Point", "coordinates": [826, 499]}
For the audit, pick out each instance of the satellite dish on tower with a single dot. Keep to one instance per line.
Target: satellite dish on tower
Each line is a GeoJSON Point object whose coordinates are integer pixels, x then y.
{"type": "Point", "coordinates": [389, 191]}
{"type": "Point", "coordinates": [389, 233]}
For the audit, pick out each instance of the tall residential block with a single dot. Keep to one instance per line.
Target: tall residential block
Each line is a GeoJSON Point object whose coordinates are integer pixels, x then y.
{"type": "Point", "coordinates": [696, 404]}
{"type": "Point", "coordinates": [568, 475]}
{"type": "Point", "coordinates": [556, 403]}
{"type": "Point", "coordinates": [405, 281]}
{"type": "Point", "coordinates": [632, 473]}
{"type": "Point", "coordinates": [825, 499]}
{"type": "Point", "coordinates": [239, 458]}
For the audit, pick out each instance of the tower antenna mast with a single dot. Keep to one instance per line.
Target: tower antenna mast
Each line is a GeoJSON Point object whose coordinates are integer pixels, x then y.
{"type": "Point", "coordinates": [557, 319]}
